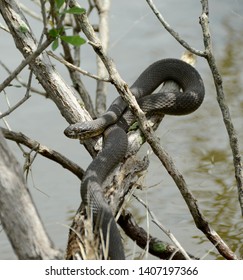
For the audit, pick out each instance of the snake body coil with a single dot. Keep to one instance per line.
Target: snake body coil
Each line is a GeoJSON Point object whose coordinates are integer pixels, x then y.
{"type": "Point", "coordinates": [115, 122]}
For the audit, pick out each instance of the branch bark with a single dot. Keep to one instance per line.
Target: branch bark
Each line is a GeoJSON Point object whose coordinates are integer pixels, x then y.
{"type": "Point", "coordinates": [18, 215]}
{"type": "Point", "coordinates": [103, 7]}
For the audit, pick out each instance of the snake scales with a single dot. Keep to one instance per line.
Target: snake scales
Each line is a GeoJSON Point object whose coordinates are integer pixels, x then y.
{"type": "Point", "coordinates": [114, 124]}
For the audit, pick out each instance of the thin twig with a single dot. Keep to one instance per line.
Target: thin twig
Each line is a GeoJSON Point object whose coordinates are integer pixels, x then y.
{"type": "Point", "coordinates": [4, 28]}
{"type": "Point", "coordinates": [18, 104]}
{"type": "Point", "coordinates": [19, 137]}
{"type": "Point", "coordinates": [198, 217]}
{"type": "Point", "coordinates": [156, 247]}
{"type": "Point", "coordinates": [167, 232]}
{"type": "Point", "coordinates": [234, 142]}
{"type": "Point", "coordinates": [30, 12]}
{"type": "Point", "coordinates": [172, 31]}
{"type": "Point", "coordinates": [23, 83]}
{"type": "Point", "coordinates": [14, 107]}
{"type": "Point", "coordinates": [78, 69]}
{"type": "Point", "coordinates": [24, 63]}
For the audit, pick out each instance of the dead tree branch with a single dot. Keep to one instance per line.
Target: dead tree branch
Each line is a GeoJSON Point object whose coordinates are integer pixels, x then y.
{"type": "Point", "coordinates": [156, 247]}
{"type": "Point", "coordinates": [18, 215]}
{"type": "Point", "coordinates": [103, 7]}
{"type": "Point", "coordinates": [232, 134]}
{"type": "Point", "coordinates": [20, 138]}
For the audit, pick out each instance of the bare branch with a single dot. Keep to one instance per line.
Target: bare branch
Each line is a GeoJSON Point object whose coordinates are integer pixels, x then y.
{"type": "Point", "coordinates": [30, 12]}
{"type": "Point", "coordinates": [74, 59]}
{"type": "Point", "coordinates": [23, 64]}
{"type": "Point", "coordinates": [78, 69]}
{"type": "Point", "coordinates": [18, 215]}
{"type": "Point", "coordinates": [167, 232]}
{"type": "Point", "coordinates": [172, 31]}
{"type": "Point", "coordinates": [103, 7]}
{"type": "Point", "coordinates": [22, 82]}
{"type": "Point", "coordinates": [18, 104]}
{"type": "Point", "coordinates": [44, 151]}
{"type": "Point", "coordinates": [156, 247]}
{"type": "Point", "coordinates": [232, 134]}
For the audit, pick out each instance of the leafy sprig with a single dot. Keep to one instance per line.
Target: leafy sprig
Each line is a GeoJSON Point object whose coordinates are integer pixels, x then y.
{"type": "Point", "coordinates": [56, 33]}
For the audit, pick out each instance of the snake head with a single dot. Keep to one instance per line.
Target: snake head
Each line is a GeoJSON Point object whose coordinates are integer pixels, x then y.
{"type": "Point", "coordinates": [71, 131]}
{"type": "Point", "coordinates": [82, 130]}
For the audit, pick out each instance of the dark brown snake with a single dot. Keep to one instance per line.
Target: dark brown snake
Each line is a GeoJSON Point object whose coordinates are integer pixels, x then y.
{"type": "Point", "coordinates": [115, 123]}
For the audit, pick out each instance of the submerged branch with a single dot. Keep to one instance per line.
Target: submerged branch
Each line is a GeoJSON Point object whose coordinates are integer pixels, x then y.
{"type": "Point", "coordinates": [156, 247]}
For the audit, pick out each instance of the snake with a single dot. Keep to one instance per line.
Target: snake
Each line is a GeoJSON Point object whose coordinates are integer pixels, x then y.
{"type": "Point", "coordinates": [114, 124]}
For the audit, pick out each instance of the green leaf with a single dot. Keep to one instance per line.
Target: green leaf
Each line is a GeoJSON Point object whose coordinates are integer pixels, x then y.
{"type": "Point", "coordinates": [54, 32]}
{"type": "Point", "coordinates": [73, 40]}
{"type": "Point", "coordinates": [75, 11]}
{"type": "Point", "coordinates": [59, 3]}
{"type": "Point", "coordinates": [55, 44]}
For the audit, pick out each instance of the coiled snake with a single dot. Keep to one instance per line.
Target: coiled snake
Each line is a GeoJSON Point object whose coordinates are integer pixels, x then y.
{"type": "Point", "coordinates": [114, 124]}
